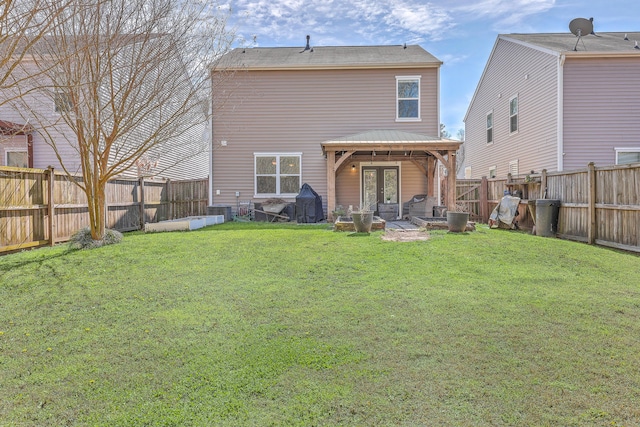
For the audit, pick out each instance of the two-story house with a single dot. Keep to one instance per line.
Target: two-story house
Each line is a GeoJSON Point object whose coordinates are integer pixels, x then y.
{"type": "Point", "coordinates": [39, 116]}
{"type": "Point", "coordinates": [555, 102]}
{"type": "Point", "coordinates": [360, 124]}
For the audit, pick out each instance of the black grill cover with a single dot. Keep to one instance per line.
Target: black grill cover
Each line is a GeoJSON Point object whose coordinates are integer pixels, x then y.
{"type": "Point", "coordinates": [308, 205]}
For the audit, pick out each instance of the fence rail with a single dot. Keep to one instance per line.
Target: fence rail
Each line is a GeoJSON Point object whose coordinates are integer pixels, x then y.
{"type": "Point", "coordinates": [27, 219]}
{"type": "Point", "coordinates": [598, 205]}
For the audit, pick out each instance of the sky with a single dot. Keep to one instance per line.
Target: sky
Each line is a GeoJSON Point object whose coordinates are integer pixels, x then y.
{"type": "Point", "coordinates": [461, 33]}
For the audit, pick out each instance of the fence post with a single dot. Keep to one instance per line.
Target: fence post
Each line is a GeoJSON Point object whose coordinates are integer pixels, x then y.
{"type": "Point", "coordinates": [169, 199]}
{"type": "Point", "coordinates": [141, 185]}
{"type": "Point", "coordinates": [543, 184]}
{"type": "Point", "coordinates": [484, 202]}
{"type": "Point", "coordinates": [592, 227]}
{"type": "Point", "coordinates": [51, 207]}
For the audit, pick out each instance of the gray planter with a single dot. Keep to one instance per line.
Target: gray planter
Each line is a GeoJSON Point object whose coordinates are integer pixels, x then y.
{"type": "Point", "coordinates": [362, 221]}
{"type": "Point", "coordinates": [457, 221]}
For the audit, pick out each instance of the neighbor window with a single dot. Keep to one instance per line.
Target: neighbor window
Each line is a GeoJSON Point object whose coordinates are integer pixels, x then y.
{"type": "Point", "coordinates": [513, 168]}
{"type": "Point", "coordinates": [492, 172]}
{"type": "Point", "coordinates": [408, 98]}
{"type": "Point", "coordinates": [490, 127]}
{"type": "Point", "coordinates": [625, 156]}
{"type": "Point", "coordinates": [467, 172]}
{"type": "Point", "coordinates": [62, 102]}
{"type": "Point", "coordinates": [18, 159]}
{"type": "Point", "coordinates": [277, 174]}
{"type": "Point", "coordinates": [513, 114]}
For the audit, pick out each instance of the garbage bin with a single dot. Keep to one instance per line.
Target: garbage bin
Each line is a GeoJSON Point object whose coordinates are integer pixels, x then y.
{"type": "Point", "coordinates": [547, 217]}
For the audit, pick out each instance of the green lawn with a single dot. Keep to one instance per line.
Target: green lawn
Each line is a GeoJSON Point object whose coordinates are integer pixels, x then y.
{"type": "Point", "coordinates": [258, 325]}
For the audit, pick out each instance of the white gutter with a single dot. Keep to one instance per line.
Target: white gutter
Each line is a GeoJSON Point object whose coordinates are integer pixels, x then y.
{"type": "Point", "coordinates": [560, 114]}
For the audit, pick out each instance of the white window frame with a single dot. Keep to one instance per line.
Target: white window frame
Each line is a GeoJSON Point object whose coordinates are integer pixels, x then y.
{"type": "Point", "coordinates": [490, 113]}
{"type": "Point", "coordinates": [493, 169]}
{"type": "Point", "coordinates": [60, 97]}
{"type": "Point", "coordinates": [619, 150]}
{"type": "Point", "coordinates": [278, 193]}
{"type": "Point", "coordinates": [467, 172]}
{"type": "Point", "coordinates": [15, 150]}
{"type": "Point", "coordinates": [514, 167]}
{"type": "Point", "coordinates": [516, 115]}
{"type": "Point", "coordinates": [398, 99]}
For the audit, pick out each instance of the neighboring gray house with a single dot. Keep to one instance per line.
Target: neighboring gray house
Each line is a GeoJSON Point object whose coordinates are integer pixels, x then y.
{"type": "Point", "coordinates": [540, 104]}
{"type": "Point", "coordinates": [360, 124]}
{"type": "Point", "coordinates": [32, 113]}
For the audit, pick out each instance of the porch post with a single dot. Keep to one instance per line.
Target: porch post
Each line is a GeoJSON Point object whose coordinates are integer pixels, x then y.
{"type": "Point", "coordinates": [331, 184]}
{"type": "Point", "coordinates": [451, 181]}
{"type": "Point", "coordinates": [431, 176]}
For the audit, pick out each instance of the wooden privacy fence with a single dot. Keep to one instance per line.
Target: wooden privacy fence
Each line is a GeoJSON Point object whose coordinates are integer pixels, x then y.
{"type": "Point", "coordinates": [28, 219]}
{"type": "Point", "coordinates": [598, 205]}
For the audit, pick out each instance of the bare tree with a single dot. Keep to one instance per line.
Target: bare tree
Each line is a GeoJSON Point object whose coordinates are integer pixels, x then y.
{"type": "Point", "coordinates": [130, 83]}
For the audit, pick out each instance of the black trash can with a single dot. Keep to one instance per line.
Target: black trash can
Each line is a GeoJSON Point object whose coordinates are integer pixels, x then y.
{"type": "Point", "coordinates": [547, 217]}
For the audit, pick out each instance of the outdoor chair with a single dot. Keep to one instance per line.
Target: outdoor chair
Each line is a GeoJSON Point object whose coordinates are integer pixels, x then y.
{"type": "Point", "coordinates": [420, 205]}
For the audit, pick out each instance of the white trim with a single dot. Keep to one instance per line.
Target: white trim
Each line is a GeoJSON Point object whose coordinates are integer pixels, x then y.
{"type": "Point", "coordinates": [277, 155]}
{"type": "Point", "coordinates": [517, 115]}
{"type": "Point", "coordinates": [619, 150]}
{"type": "Point", "coordinates": [15, 150]}
{"type": "Point", "coordinates": [409, 119]}
{"type": "Point", "coordinates": [560, 118]}
{"type": "Point", "coordinates": [487, 128]}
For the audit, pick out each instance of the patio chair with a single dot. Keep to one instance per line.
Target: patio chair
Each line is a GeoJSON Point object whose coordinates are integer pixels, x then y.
{"type": "Point", "coordinates": [420, 205]}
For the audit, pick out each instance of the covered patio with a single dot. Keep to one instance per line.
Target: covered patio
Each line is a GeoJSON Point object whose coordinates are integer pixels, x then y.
{"type": "Point", "coordinates": [391, 146]}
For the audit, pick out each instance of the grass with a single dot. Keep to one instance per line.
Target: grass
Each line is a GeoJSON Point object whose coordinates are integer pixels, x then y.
{"type": "Point", "coordinates": [260, 324]}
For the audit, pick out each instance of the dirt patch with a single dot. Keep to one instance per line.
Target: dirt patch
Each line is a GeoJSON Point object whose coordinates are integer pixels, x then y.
{"type": "Point", "coordinates": [405, 235]}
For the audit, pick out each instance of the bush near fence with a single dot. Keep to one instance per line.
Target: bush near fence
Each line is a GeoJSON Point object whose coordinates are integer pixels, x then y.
{"type": "Point", "coordinates": [27, 219]}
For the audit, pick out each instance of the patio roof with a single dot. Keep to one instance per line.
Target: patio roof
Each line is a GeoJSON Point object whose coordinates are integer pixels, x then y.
{"type": "Point", "coordinates": [11, 128]}
{"type": "Point", "coordinates": [390, 140]}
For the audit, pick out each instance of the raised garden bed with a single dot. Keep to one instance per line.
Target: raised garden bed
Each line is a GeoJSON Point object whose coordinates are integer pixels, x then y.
{"type": "Point", "coordinates": [437, 223]}
{"type": "Point", "coordinates": [184, 224]}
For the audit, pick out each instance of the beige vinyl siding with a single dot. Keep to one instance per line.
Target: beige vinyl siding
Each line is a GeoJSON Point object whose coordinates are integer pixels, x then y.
{"type": "Point", "coordinates": [530, 74]}
{"type": "Point", "coordinates": [295, 111]}
{"type": "Point", "coordinates": [601, 109]}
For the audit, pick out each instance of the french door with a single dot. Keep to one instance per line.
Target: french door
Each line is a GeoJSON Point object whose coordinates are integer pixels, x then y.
{"type": "Point", "coordinates": [379, 185]}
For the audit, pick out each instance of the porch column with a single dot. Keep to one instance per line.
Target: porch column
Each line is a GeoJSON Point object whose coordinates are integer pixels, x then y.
{"type": "Point", "coordinates": [431, 176]}
{"type": "Point", "coordinates": [331, 184]}
{"type": "Point", "coordinates": [451, 181]}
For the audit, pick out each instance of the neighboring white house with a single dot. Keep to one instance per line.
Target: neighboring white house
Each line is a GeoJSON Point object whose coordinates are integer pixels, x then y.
{"type": "Point", "coordinates": [540, 104]}
{"type": "Point", "coordinates": [39, 112]}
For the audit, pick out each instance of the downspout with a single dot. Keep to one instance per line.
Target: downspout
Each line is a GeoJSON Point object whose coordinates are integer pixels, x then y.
{"type": "Point", "coordinates": [210, 133]}
{"type": "Point", "coordinates": [560, 114]}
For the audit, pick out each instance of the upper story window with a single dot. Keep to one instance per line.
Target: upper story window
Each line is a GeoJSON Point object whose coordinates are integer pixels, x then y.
{"type": "Point", "coordinates": [62, 102]}
{"type": "Point", "coordinates": [490, 127]}
{"type": "Point", "coordinates": [513, 114]}
{"type": "Point", "coordinates": [493, 172]}
{"type": "Point", "coordinates": [277, 174]}
{"type": "Point", "coordinates": [625, 156]}
{"type": "Point", "coordinates": [408, 98]}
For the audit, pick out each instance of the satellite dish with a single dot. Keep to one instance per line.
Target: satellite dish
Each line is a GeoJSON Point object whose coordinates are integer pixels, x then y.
{"type": "Point", "coordinates": [581, 27]}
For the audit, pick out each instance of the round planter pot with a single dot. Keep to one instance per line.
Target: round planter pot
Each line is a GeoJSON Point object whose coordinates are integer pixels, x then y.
{"type": "Point", "coordinates": [362, 221]}
{"type": "Point", "coordinates": [457, 221]}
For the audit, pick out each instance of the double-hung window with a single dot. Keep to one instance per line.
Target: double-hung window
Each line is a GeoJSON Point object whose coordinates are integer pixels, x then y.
{"type": "Point", "coordinates": [277, 174]}
{"type": "Point", "coordinates": [407, 98]}
{"type": "Point", "coordinates": [490, 127]}
{"type": "Point", "coordinates": [513, 114]}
